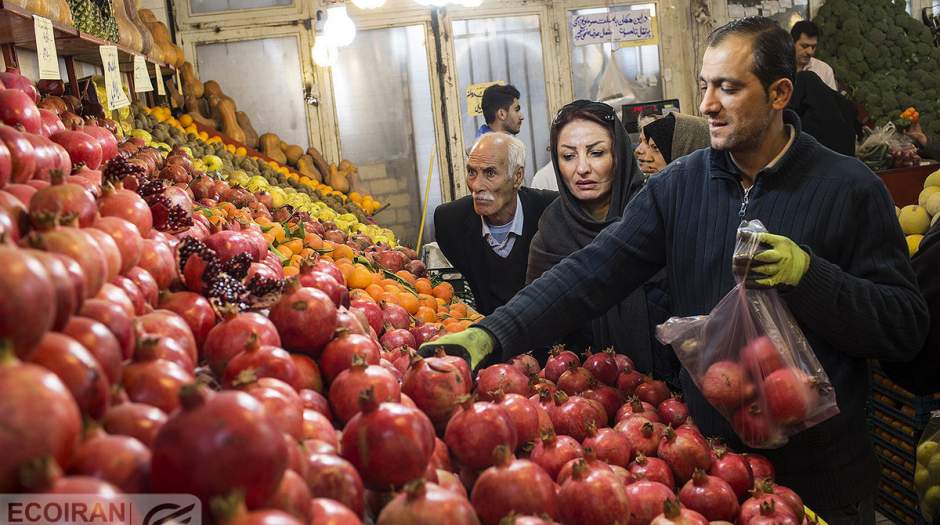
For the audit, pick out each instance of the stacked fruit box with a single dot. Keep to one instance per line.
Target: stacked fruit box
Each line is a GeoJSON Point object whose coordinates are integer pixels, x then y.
{"type": "Point", "coordinates": [897, 418]}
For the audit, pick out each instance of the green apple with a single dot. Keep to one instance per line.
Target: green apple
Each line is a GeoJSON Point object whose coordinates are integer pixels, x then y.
{"type": "Point", "coordinates": [921, 478]}
{"type": "Point", "coordinates": [925, 451]}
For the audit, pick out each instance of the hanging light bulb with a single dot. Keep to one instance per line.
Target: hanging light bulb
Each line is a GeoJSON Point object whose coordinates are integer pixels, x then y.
{"type": "Point", "coordinates": [323, 52]}
{"type": "Point", "coordinates": [339, 28]}
{"type": "Point", "coordinates": [368, 4]}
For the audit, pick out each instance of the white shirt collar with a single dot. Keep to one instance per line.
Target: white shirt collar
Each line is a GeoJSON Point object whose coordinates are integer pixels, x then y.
{"type": "Point", "coordinates": [518, 220]}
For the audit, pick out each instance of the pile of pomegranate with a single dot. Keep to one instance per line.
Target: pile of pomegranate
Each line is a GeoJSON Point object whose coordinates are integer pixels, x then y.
{"type": "Point", "coordinates": [145, 350]}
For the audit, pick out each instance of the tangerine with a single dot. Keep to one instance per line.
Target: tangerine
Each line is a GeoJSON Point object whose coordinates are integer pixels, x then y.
{"type": "Point", "coordinates": [360, 277]}
{"type": "Point", "coordinates": [444, 291]}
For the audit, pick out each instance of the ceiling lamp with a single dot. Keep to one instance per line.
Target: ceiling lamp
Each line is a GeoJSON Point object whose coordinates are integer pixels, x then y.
{"type": "Point", "coordinates": [324, 52]}
{"type": "Point", "coordinates": [339, 28]}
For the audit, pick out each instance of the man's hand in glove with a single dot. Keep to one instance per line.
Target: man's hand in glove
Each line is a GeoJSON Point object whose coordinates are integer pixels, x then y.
{"type": "Point", "coordinates": [784, 263]}
{"type": "Point", "coordinates": [473, 344]}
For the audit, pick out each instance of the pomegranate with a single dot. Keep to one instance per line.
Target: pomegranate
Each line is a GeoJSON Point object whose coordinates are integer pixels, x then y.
{"type": "Point", "coordinates": [117, 321]}
{"type": "Point", "coordinates": [125, 236]}
{"type": "Point", "coordinates": [427, 332]}
{"type": "Point", "coordinates": [451, 481]}
{"type": "Point", "coordinates": [48, 160]}
{"type": "Point", "coordinates": [328, 285]}
{"type": "Point", "coordinates": [194, 451]}
{"type": "Point", "coordinates": [67, 297]}
{"type": "Point", "coordinates": [308, 373]}
{"type": "Point", "coordinates": [133, 293]}
{"type": "Point", "coordinates": [120, 460]}
{"type": "Point", "coordinates": [325, 511]}
{"type": "Point", "coordinates": [17, 109]}
{"type": "Point", "coordinates": [372, 312]}
{"type": "Point", "coordinates": [29, 294]}
{"type": "Point", "coordinates": [82, 148]}
{"type": "Point", "coordinates": [78, 370]}
{"type": "Point", "coordinates": [673, 411]}
{"type": "Point", "coordinates": [766, 506]}
{"type": "Point", "coordinates": [475, 430]}
{"type": "Point", "coordinates": [726, 386]}
{"type": "Point", "coordinates": [592, 497]}
{"type": "Point", "coordinates": [116, 295]}
{"type": "Point", "coordinates": [314, 400]}
{"type": "Point", "coordinates": [81, 247]}
{"type": "Point", "coordinates": [574, 380]}
{"type": "Point", "coordinates": [642, 433]}
{"type": "Point", "coordinates": [761, 358]}
{"type": "Point", "coordinates": [441, 456]}
{"type": "Point", "coordinates": [675, 514]}
{"type": "Point", "coordinates": [146, 284]}
{"type": "Point", "coordinates": [102, 490]}
{"type": "Point", "coordinates": [12, 79]}
{"type": "Point", "coordinates": [50, 123]}
{"type": "Point", "coordinates": [100, 342]}
{"type": "Point", "coordinates": [317, 426]}
{"type": "Point", "coordinates": [790, 395]}
{"type": "Point", "coordinates": [652, 469]}
{"type": "Point", "coordinates": [609, 397]}
{"type": "Point", "coordinates": [735, 470]}
{"type": "Point", "coordinates": [552, 452]}
{"type": "Point", "coordinates": [397, 338]}
{"type": "Point", "coordinates": [305, 319]}
{"type": "Point", "coordinates": [505, 378]}
{"type": "Point", "coordinates": [523, 413]}
{"type": "Point", "coordinates": [628, 380]}
{"type": "Point", "coordinates": [136, 420]}
{"type": "Point", "coordinates": [127, 205]}
{"type": "Point", "coordinates": [558, 362]}
{"type": "Point", "coordinates": [105, 140]}
{"type": "Point", "coordinates": [459, 363]}
{"type": "Point", "coordinates": [610, 446]}
{"type": "Point", "coordinates": [436, 387]}
{"type": "Point", "coordinates": [29, 390]}
{"type": "Point", "coordinates": [281, 403]}
{"type": "Point", "coordinates": [194, 309]}
{"type": "Point", "coordinates": [330, 476]}
{"type": "Point", "coordinates": [423, 502]}
{"type": "Point", "coordinates": [646, 499]}
{"type": "Point", "coordinates": [165, 323]}
{"type": "Point", "coordinates": [263, 517]}
{"type": "Point", "coordinates": [652, 391]}
{"type": "Point", "coordinates": [230, 336]}
{"type": "Point", "coordinates": [755, 427]}
{"type": "Point", "coordinates": [351, 383]}
{"type": "Point", "coordinates": [539, 384]}
{"type": "Point", "coordinates": [685, 451]}
{"type": "Point", "coordinates": [156, 382]}
{"type": "Point", "coordinates": [603, 366]}
{"type": "Point", "coordinates": [349, 322]}
{"type": "Point", "coordinates": [297, 454]}
{"type": "Point", "coordinates": [571, 416]}
{"type": "Point", "coordinates": [711, 496]}
{"type": "Point", "coordinates": [590, 460]}
{"type": "Point", "coordinates": [292, 497]}
{"type": "Point", "coordinates": [339, 353]}
{"type": "Point", "coordinates": [526, 363]}
{"type": "Point", "coordinates": [395, 316]}
{"type": "Point", "coordinates": [229, 243]}
{"type": "Point", "coordinates": [157, 258]}
{"type": "Point", "coordinates": [513, 486]}
{"type": "Point", "coordinates": [22, 156]}
{"type": "Point", "coordinates": [258, 361]}
{"type": "Point", "coordinates": [792, 500]}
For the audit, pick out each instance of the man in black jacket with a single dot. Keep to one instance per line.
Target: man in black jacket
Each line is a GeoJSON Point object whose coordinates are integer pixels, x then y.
{"type": "Point", "coordinates": [486, 235]}
{"type": "Point", "coordinates": [837, 256]}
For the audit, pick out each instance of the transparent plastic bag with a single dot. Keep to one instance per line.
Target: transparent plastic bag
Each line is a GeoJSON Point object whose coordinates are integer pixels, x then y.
{"type": "Point", "coordinates": [750, 359]}
{"type": "Point", "coordinates": [927, 470]}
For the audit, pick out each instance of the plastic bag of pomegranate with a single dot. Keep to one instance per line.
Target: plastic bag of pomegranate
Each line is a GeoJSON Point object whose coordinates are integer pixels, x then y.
{"type": "Point", "coordinates": [927, 470]}
{"type": "Point", "coordinates": [750, 359]}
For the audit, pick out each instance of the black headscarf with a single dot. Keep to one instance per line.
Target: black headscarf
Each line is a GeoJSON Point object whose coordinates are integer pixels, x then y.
{"type": "Point", "coordinates": [566, 227]}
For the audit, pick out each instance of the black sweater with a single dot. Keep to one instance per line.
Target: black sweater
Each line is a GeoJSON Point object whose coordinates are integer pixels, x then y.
{"type": "Point", "coordinates": [858, 299]}
{"type": "Point", "coordinates": [493, 279]}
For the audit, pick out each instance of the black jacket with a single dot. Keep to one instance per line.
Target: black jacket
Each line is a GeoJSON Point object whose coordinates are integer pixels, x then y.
{"type": "Point", "coordinates": [858, 299]}
{"type": "Point", "coordinates": [459, 233]}
{"type": "Point", "coordinates": [824, 113]}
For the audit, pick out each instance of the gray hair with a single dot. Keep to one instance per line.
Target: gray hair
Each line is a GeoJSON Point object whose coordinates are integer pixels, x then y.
{"type": "Point", "coordinates": [516, 154]}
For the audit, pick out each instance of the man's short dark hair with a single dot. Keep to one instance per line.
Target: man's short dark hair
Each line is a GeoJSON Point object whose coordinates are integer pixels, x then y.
{"type": "Point", "coordinates": [804, 27]}
{"type": "Point", "coordinates": [498, 97]}
{"type": "Point", "coordinates": [772, 47]}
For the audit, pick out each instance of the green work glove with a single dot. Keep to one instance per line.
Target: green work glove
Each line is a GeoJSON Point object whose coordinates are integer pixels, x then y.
{"type": "Point", "coordinates": [784, 263]}
{"type": "Point", "coordinates": [473, 344]}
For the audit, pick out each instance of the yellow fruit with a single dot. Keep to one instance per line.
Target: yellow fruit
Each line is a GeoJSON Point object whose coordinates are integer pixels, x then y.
{"type": "Point", "coordinates": [913, 243]}
{"type": "Point", "coordinates": [925, 194]}
{"type": "Point", "coordinates": [933, 179]}
{"type": "Point", "coordinates": [914, 220]}
{"type": "Point", "coordinates": [186, 120]}
{"type": "Point", "coordinates": [933, 202]}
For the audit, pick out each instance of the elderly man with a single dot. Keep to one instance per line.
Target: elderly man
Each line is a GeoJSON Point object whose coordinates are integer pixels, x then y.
{"type": "Point", "coordinates": [486, 235]}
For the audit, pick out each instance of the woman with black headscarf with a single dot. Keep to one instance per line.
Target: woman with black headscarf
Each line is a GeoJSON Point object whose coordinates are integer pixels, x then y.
{"type": "Point", "coordinates": [597, 176]}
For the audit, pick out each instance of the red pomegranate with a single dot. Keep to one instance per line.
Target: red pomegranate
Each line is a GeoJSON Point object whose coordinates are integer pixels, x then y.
{"type": "Point", "coordinates": [82, 148]}
{"type": "Point", "coordinates": [423, 502]}
{"type": "Point", "coordinates": [790, 395]}
{"type": "Point", "coordinates": [264, 517]}
{"type": "Point", "coordinates": [292, 497]}
{"type": "Point", "coordinates": [389, 444]}
{"type": "Point", "coordinates": [575, 380]}
{"type": "Point", "coordinates": [527, 364]}
{"type": "Point", "coordinates": [646, 499]}
{"type": "Point", "coordinates": [328, 285]}
{"type": "Point", "coordinates": [726, 385]}
{"type": "Point", "coordinates": [792, 500]}
{"type": "Point", "coordinates": [346, 389]}
{"type": "Point", "coordinates": [316, 401]}
{"type": "Point", "coordinates": [77, 368]}
{"type": "Point", "coordinates": [673, 411]}
{"type": "Point", "coordinates": [17, 109]}
{"type": "Point", "coordinates": [635, 407]}
{"type": "Point", "coordinates": [100, 342]}
{"type": "Point", "coordinates": [642, 433]}
{"type": "Point", "coordinates": [308, 373]}
{"type": "Point", "coordinates": [590, 460]}
{"type": "Point", "coordinates": [459, 363]}
{"type": "Point", "coordinates": [29, 295]}
{"type": "Point", "coordinates": [523, 413]}
{"type": "Point", "coordinates": [67, 300]}
{"type": "Point", "coordinates": [106, 142]}
{"type": "Point", "coordinates": [372, 312]}
{"type": "Point", "coordinates": [339, 353]}
{"type": "Point", "coordinates": [505, 378]}
{"type": "Point", "coordinates": [610, 446]}
{"type": "Point", "coordinates": [257, 361]}
{"type": "Point", "coordinates": [761, 358]}
{"type": "Point", "coordinates": [735, 470]}
{"type": "Point", "coordinates": [592, 498]}
{"type": "Point", "coordinates": [395, 316]}
{"type": "Point", "coordinates": [117, 321]}
{"type": "Point", "coordinates": [330, 476]}
{"type": "Point", "coordinates": [573, 415]}
{"type": "Point", "coordinates": [195, 450]}
{"type": "Point", "coordinates": [552, 452]}
{"type": "Point", "coordinates": [397, 338]}
{"type": "Point", "coordinates": [127, 205]}
{"type": "Point", "coordinates": [318, 426]}
{"type": "Point", "coordinates": [685, 451]}
{"type": "Point", "coordinates": [652, 391]}
{"type": "Point", "coordinates": [136, 420]}
{"type": "Point", "coordinates": [120, 460]}
{"type": "Point", "coordinates": [81, 247]}
{"type": "Point", "coordinates": [436, 387]}
{"type": "Point", "coordinates": [603, 366]}
{"type": "Point", "coordinates": [675, 514]}
{"type": "Point", "coordinates": [653, 469]}
{"type": "Point", "coordinates": [281, 403]}
{"type": "Point", "coordinates": [156, 382]}
{"type": "Point", "coordinates": [157, 258]}
{"type": "Point", "coordinates": [305, 319]}
{"type": "Point", "coordinates": [146, 284]}
{"type": "Point", "coordinates": [711, 496]}
{"type": "Point", "coordinates": [22, 156]}
{"type": "Point", "coordinates": [29, 390]}
{"type": "Point", "coordinates": [165, 323]}
{"type": "Point", "coordinates": [558, 362]}
{"type": "Point", "coordinates": [628, 380]}
{"type": "Point", "coordinates": [230, 336]}
{"type": "Point", "coordinates": [513, 486]}
{"type": "Point", "coordinates": [755, 427]}
{"type": "Point", "coordinates": [475, 430]}
{"type": "Point", "coordinates": [609, 397]}
{"type": "Point", "coordinates": [325, 511]}
{"type": "Point", "coordinates": [134, 293]}
{"type": "Point", "coordinates": [767, 505]}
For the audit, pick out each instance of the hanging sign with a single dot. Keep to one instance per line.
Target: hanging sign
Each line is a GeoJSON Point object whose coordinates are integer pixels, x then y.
{"type": "Point", "coordinates": [601, 28]}
{"type": "Point", "coordinates": [45, 49]}
{"type": "Point", "coordinates": [160, 89]}
{"type": "Point", "coordinates": [141, 75]}
{"type": "Point", "coordinates": [112, 78]}
{"type": "Point", "coordinates": [475, 97]}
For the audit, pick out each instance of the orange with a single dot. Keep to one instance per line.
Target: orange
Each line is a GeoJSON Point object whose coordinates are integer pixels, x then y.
{"type": "Point", "coordinates": [409, 302]}
{"type": "Point", "coordinates": [377, 278]}
{"type": "Point", "coordinates": [389, 281]}
{"type": "Point", "coordinates": [313, 240]}
{"type": "Point", "coordinates": [295, 245]}
{"type": "Point", "coordinates": [392, 288]}
{"type": "Point", "coordinates": [328, 246]}
{"type": "Point", "coordinates": [424, 286]}
{"type": "Point", "coordinates": [426, 315]}
{"type": "Point", "coordinates": [290, 271]}
{"type": "Point", "coordinates": [268, 237]}
{"type": "Point", "coordinates": [390, 298]}
{"type": "Point", "coordinates": [360, 277]}
{"type": "Point", "coordinates": [344, 269]}
{"type": "Point", "coordinates": [284, 250]}
{"type": "Point", "coordinates": [375, 291]}
{"type": "Point", "coordinates": [444, 291]}
{"type": "Point", "coordinates": [458, 309]}
{"type": "Point", "coordinates": [407, 276]}
{"type": "Point", "coordinates": [343, 252]}
{"type": "Point", "coordinates": [427, 301]}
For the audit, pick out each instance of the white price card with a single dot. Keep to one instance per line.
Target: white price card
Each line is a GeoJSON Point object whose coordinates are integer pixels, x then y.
{"type": "Point", "coordinates": [141, 75]}
{"type": "Point", "coordinates": [160, 89]}
{"type": "Point", "coordinates": [112, 78]}
{"type": "Point", "coordinates": [45, 49]}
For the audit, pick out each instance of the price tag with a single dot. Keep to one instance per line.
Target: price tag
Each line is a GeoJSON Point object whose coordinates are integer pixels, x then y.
{"type": "Point", "coordinates": [160, 89]}
{"type": "Point", "coordinates": [45, 49]}
{"type": "Point", "coordinates": [141, 75]}
{"type": "Point", "coordinates": [112, 78]}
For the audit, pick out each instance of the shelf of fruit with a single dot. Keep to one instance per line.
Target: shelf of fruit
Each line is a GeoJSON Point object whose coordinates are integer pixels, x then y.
{"type": "Point", "coordinates": [149, 342]}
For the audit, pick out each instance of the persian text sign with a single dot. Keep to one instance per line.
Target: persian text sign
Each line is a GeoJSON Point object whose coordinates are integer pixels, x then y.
{"type": "Point", "coordinates": [624, 26]}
